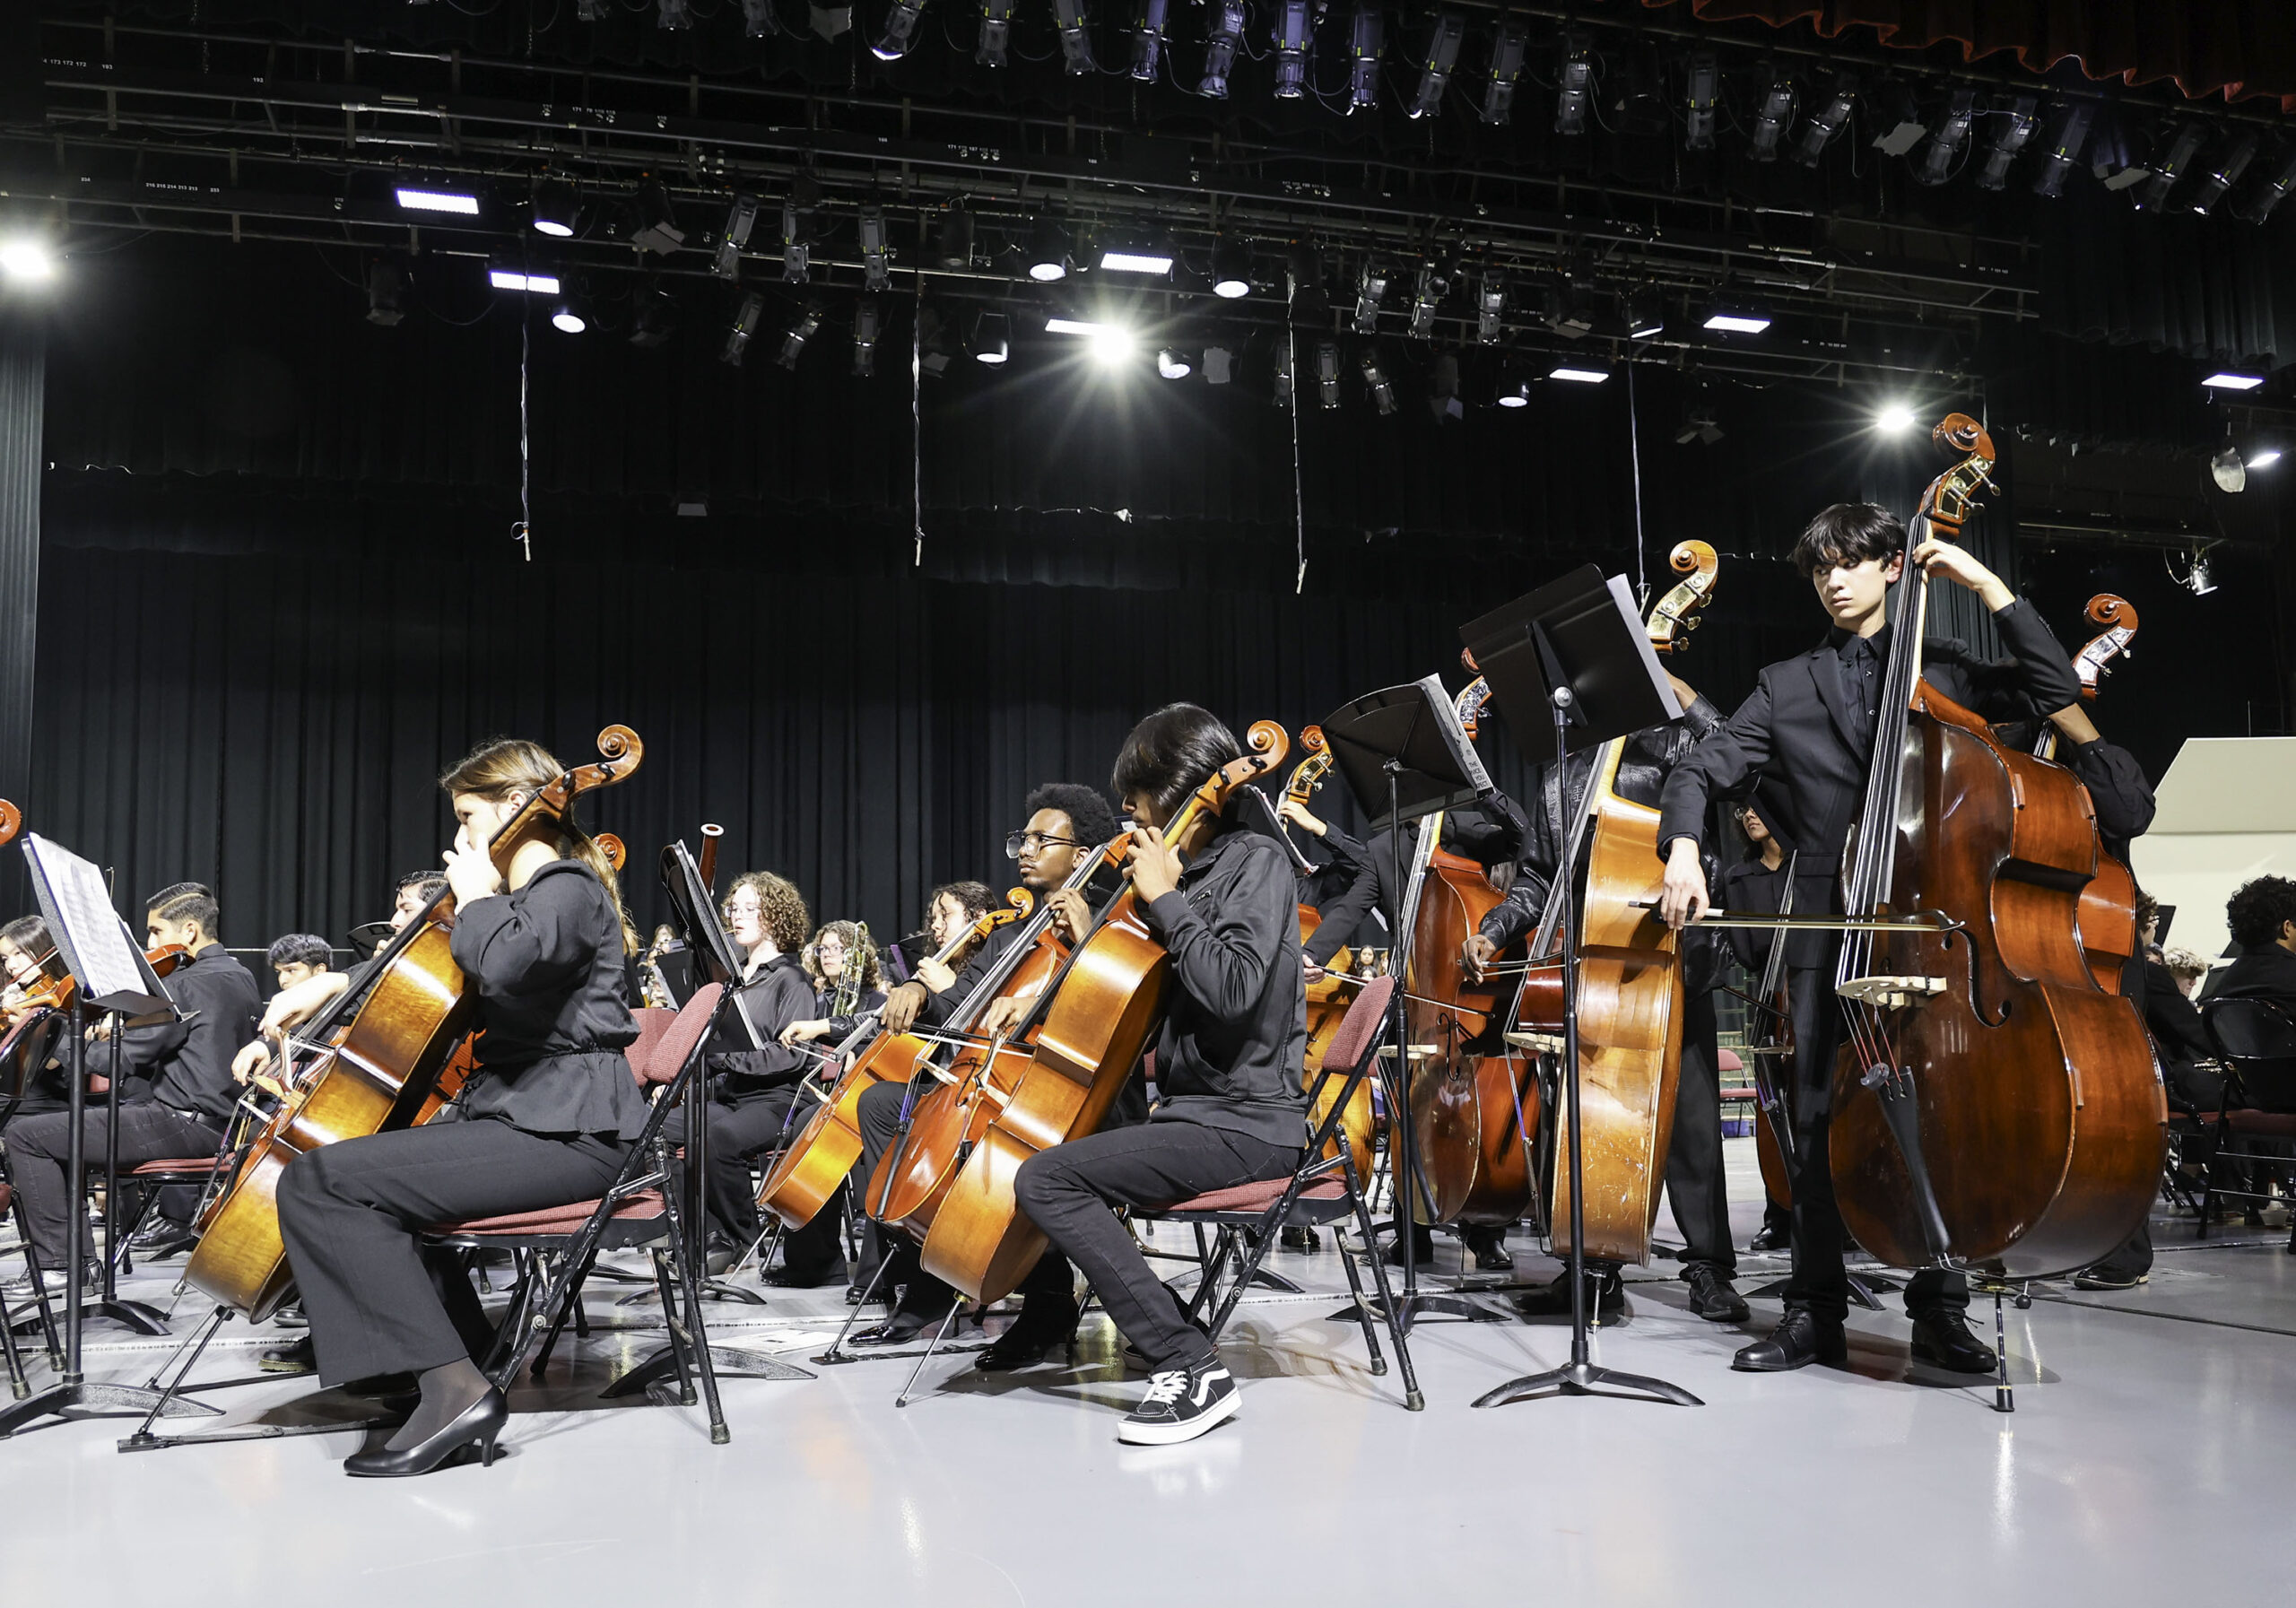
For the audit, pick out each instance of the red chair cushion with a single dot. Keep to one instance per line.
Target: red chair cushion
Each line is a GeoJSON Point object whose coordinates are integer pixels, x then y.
{"type": "Point", "coordinates": [1258, 1197]}
{"type": "Point", "coordinates": [1728, 1061]}
{"type": "Point", "coordinates": [553, 1219]}
{"type": "Point", "coordinates": [1359, 1027]}
{"type": "Point", "coordinates": [7, 1196]}
{"type": "Point", "coordinates": [653, 1021]}
{"type": "Point", "coordinates": [2270, 1125]}
{"type": "Point", "coordinates": [679, 1037]}
{"type": "Point", "coordinates": [188, 1164]}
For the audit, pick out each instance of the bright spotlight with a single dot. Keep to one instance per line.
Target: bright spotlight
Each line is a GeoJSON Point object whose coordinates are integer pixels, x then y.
{"type": "Point", "coordinates": [569, 319]}
{"type": "Point", "coordinates": [26, 260]}
{"type": "Point", "coordinates": [1109, 344]}
{"type": "Point", "coordinates": [2263, 457]}
{"type": "Point", "coordinates": [1894, 419]}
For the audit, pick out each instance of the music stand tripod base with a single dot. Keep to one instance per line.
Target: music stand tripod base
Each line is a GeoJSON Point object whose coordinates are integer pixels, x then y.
{"type": "Point", "coordinates": [1586, 1379]}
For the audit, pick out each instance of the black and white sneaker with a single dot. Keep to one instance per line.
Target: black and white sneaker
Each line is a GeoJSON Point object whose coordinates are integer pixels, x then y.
{"type": "Point", "coordinates": [1181, 1403]}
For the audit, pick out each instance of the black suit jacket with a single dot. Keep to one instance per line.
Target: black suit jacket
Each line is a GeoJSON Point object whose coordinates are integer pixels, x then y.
{"type": "Point", "coordinates": [2264, 971]}
{"type": "Point", "coordinates": [1799, 742]}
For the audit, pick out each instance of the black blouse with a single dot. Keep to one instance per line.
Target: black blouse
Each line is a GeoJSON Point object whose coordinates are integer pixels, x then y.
{"type": "Point", "coordinates": [546, 962]}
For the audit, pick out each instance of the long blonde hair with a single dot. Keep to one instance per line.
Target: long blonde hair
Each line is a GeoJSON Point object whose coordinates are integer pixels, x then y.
{"type": "Point", "coordinates": [502, 766]}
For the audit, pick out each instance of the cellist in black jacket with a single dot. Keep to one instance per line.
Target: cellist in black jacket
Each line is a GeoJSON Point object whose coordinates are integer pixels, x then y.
{"type": "Point", "coordinates": [1808, 730]}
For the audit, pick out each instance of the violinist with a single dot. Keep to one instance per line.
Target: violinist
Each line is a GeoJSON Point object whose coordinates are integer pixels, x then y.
{"type": "Point", "coordinates": [1065, 821]}
{"type": "Point", "coordinates": [1808, 730]}
{"type": "Point", "coordinates": [1694, 1182]}
{"type": "Point", "coordinates": [547, 1120]}
{"type": "Point", "coordinates": [316, 986]}
{"type": "Point", "coordinates": [1230, 1109]}
{"type": "Point", "coordinates": [177, 1096]}
{"type": "Point", "coordinates": [26, 950]}
{"type": "Point", "coordinates": [1758, 883]}
{"type": "Point", "coordinates": [755, 1078]}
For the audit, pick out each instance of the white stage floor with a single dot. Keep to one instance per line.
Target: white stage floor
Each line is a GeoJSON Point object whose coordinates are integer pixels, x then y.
{"type": "Point", "coordinates": [2146, 1461]}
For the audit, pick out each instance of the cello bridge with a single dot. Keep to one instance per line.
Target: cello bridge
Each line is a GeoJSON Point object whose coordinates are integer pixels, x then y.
{"type": "Point", "coordinates": [1890, 993]}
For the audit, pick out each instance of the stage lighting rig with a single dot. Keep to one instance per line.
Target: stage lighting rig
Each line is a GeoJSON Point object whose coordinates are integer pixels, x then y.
{"type": "Point", "coordinates": [2018, 120]}
{"type": "Point", "coordinates": [554, 208]}
{"type": "Point", "coordinates": [2267, 196]}
{"type": "Point", "coordinates": [1227, 34]}
{"type": "Point", "coordinates": [992, 338]}
{"type": "Point", "coordinates": [900, 30]}
{"type": "Point", "coordinates": [1075, 38]}
{"type": "Point", "coordinates": [1375, 381]}
{"type": "Point", "coordinates": [673, 15]}
{"type": "Point", "coordinates": [955, 243]}
{"type": "Point", "coordinates": [1508, 41]}
{"type": "Point", "coordinates": [995, 49]}
{"type": "Point", "coordinates": [1366, 39]}
{"type": "Point", "coordinates": [1425, 299]}
{"type": "Point", "coordinates": [797, 229]}
{"type": "Point", "coordinates": [385, 287]}
{"type": "Point", "coordinates": [875, 271]}
{"type": "Point", "coordinates": [1442, 56]}
{"type": "Point", "coordinates": [1370, 290]}
{"type": "Point", "coordinates": [744, 327]}
{"type": "Point", "coordinates": [1574, 82]}
{"type": "Point", "coordinates": [1490, 306]}
{"type": "Point", "coordinates": [1048, 254]}
{"type": "Point", "coordinates": [1644, 316]}
{"type": "Point", "coordinates": [2224, 173]}
{"type": "Point", "coordinates": [1826, 124]}
{"type": "Point", "coordinates": [1231, 268]}
{"type": "Point", "coordinates": [793, 342]}
{"type": "Point", "coordinates": [654, 316]}
{"type": "Point", "coordinates": [1947, 135]}
{"type": "Point", "coordinates": [2170, 169]}
{"type": "Point", "coordinates": [865, 324]}
{"type": "Point", "coordinates": [2063, 149]}
{"type": "Point", "coordinates": [568, 318]}
{"type": "Point", "coordinates": [1770, 122]}
{"type": "Point", "coordinates": [1294, 35]}
{"type": "Point", "coordinates": [740, 218]}
{"type": "Point", "coordinates": [758, 21]}
{"type": "Point", "coordinates": [1282, 380]}
{"type": "Point", "coordinates": [1327, 372]}
{"type": "Point", "coordinates": [657, 229]}
{"type": "Point", "coordinates": [1148, 41]}
{"type": "Point", "coordinates": [1514, 385]}
{"type": "Point", "coordinates": [1702, 93]}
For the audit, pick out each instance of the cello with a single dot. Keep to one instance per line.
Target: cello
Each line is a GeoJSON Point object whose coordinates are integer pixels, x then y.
{"type": "Point", "coordinates": [370, 1061]}
{"type": "Point", "coordinates": [1097, 1017]}
{"type": "Point", "coordinates": [1328, 995]}
{"type": "Point", "coordinates": [1993, 1108]}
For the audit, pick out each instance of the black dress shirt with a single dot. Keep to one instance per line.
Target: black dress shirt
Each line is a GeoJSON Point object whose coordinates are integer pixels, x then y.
{"type": "Point", "coordinates": [771, 998]}
{"type": "Point", "coordinates": [546, 963]}
{"type": "Point", "coordinates": [1235, 1027]}
{"type": "Point", "coordinates": [187, 1063]}
{"type": "Point", "coordinates": [2260, 971]}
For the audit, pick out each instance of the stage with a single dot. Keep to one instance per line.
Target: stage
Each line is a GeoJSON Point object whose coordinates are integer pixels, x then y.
{"type": "Point", "coordinates": [2142, 1463]}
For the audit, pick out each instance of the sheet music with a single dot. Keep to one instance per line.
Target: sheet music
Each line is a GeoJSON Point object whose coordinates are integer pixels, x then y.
{"type": "Point", "coordinates": [88, 931]}
{"type": "Point", "coordinates": [1455, 736]}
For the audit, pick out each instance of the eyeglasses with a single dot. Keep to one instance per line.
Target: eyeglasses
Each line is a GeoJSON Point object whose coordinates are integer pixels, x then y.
{"type": "Point", "coordinates": [1014, 842]}
{"type": "Point", "coordinates": [732, 911]}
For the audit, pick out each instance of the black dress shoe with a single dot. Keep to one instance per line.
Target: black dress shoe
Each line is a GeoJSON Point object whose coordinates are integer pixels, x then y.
{"type": "Point", "coordinates": [1422, 1250]}
{"type": "Point", "coordinates": [1493, 1257]}
{"type": "Point", "coordinates": [1712, 1297]}
{"type": "Point", "coordinates": [900, 1329]}
{"type": "Point", "coordinates": [1770, 1240]}
{"type": "Point", "coordinates": [160, 1239]}
{"type": "Point", "coordinates": [801, 1278]}
{"type": "Point", "coordinates": [1298, 1239]}
{"type": "Point", "coordinates": [1943, 1340]}
{"type": "Point", "coordinates": [296, 1357]}
{"type": "Point", "coordinates": [476, 1425]}
{"type": "Point", "coordinates": [1605, 1296]}
{"type": "Point", "coordinates": [1025, 1343]}
{"type": "Point", "coordinates": [1800, 1339]}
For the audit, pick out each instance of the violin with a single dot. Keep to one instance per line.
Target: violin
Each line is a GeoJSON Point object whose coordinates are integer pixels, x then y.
{"type": "Point", "coordinates": [1993, 1107]}
{"type": "Point", "coordinates": [370, 1061]}
{"type": "Point", "coordinates": [1095, 1020]}
{"type": "Point", "coordinates": [2107, 938]}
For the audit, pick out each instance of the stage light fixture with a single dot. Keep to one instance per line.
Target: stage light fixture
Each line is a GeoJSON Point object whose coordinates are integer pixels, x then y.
{"type": "Point", "coordinates": [1109, 343]}
{"type": "Point", "coordinates": [793, 341]}
{"type": "Point", "coordinates": [876, 273]}
{"type": "Point", "coordinates": [2168, 171]}
{"type": "Point", "coordinates": [744, 327]}
{"type": "Point", "coordinates": [654, 318]}
{"type": "Point", "coordinates": [796, 243]}
{"type": "Point", "coordinates": [900, 30]}
{"type": "Point", "coordinates": [1508, 42]}
{"type": "Point", "coordinates": [1825, 126]}
{"type": "Point", "coordinates": [553, 207]}
{"type": "Point", "coordinates": [2228, 380]}
{"type": "Point", "coordinates": [673, 14]}
{"type": "Point", "coordinates": [2267, 196]}
{"type": "Point", "coordinates": [1574, 85]}
{"type": "Point", "coordinates": [1490, 306]}
{"type": "Point", "coordinates": [758, 21]}
{"type": "Point", "coordinates": [590, 11]}
{"type": "Point", "coordinates": [1698, 425]}
{"type": "Point", "coordinates": [1424, 299]}
{"type": "Point", "coordinates": [1734, 318]}
{"type": "Point", "coordinates": [1645, 317]}
{"type": "Point", "coordinates": [1132, 257]}
{"type": "Point", "coordinates": [866, 321]}
{"type": "Point", "coordinates": [657, 227]}
{"type": "Point", "coordinates": [417, 199]}
{"type": "Point", "coordinates": [1303, 286]}
{"type": "Point", "coordinates": [2018, 120]}
{"type": "Point", "coordinates": [1367, 38]}
{"type": "Point", "coordinates": [1442, 58]}
{"type": "Point", "coordinates": [1375, 381]}
{"type": "Point", "coordinates": [1148, 41]}
{"type": "Point", "coordinates": [1893, 418]}
{"type": "Point", "coordinates": [992, 338]}
{"type": "Point", "coordinates": [1514, 386]}
{"type": "Point", "coordinates": [1047, 256]}
{"type": "Point", "coordinates": [508, 276]}
{"type": "Point", "coordinates": [1294, 34]}
{"type": "Point", "coordinates": [1282, 383]}
{"type": "Point", "coordinates": [2198, 580]}
{"type": "Point", "coordinates": [1075, 37]}
{"type": "Point", "coordinates": [2063, 154]}
{"type": "Point", "coordinates": [1327, 372]}
{"type": "Point", "coordinates": [568, 320]}
{"type": "Point", "coordinates": [954, 246]}
{"type": "Point", "coordinates": [386, 288]}
{"type": "Point", "coordinates": [1370, 288]}
{"type": "Point", "coordinates": [2224, 173]}
{"type": "Point", "coordinates": [1577, 374]}
{"type": "Point", "coordinates": [1702, 92]}
{"type": "Point", "coordinates": [1231, 268]}
{"type": "Point", "coordinates": [995, 46]}
{"type": "Point", "coordinates": [1219, 365]}
{"type": "Point", "coordinates": [1220, 46]}
{"type": "Point", "coordinates": [740, 218]}
{"type": "Point", "coordinates": [1173, 364]}
{"type": "Point", "coordinates": [2228, 472]}
{"type": "Point", "coordinates": [2263, 457]}
{"type": "Point", "coordinates": [1772, 119]}
{"type": "Point", "coordinates": [1947, 134]}
{"type": "Point", "coordinates": [933, 347]}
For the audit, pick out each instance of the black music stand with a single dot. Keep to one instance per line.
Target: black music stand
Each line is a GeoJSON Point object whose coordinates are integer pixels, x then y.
{"type": "Point", "coordinates": [1404, 755]}
{"type": "Point", "coordinates": [1578, 648]}
{"type": "Point", "coordinates": [132, 1315]}
{"type": "Point", "coordinates": [111, 975]}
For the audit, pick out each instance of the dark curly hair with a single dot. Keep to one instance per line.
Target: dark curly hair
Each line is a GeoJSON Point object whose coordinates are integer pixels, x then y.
{"type": "Point", "coordinates": [1847, 533]}
{"type": "Point", "coordinates": [2256, 912]}
{"type": "Point", "coordinates": [1086, 807]}
{"type": "Point", "coordinates": [1172, 754]}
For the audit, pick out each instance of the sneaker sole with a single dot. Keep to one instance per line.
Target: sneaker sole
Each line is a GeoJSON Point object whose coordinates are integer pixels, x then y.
{"type": "Point", "coordinates": [1211, 1418]}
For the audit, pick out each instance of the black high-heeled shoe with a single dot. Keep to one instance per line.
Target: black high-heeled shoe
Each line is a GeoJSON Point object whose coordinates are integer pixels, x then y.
{"type": "Point", "coordinates": [477, 1424]}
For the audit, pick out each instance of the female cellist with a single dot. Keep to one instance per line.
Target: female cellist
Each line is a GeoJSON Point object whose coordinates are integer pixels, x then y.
{"type": "Point", "coordinates": [547, 1120]}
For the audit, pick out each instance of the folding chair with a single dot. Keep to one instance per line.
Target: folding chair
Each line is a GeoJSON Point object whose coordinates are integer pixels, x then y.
{"type": "Point", "coordinates": [1248, 1217]}
{"type": "Point", "coordinates": [26, 1049]}
{"type": "Point", "coordinates": [555, 1247]}
{"type": "Point", "coordinates": [2256, 1042]}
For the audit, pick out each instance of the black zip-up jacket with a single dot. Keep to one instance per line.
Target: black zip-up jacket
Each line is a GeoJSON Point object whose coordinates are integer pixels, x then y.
{"type": "Point", "coordinates": [187, 1063]}
{"type": "Point", "coordinates": [775, 994]}
{"type": "Point", "coordinates": [1236, 1016]}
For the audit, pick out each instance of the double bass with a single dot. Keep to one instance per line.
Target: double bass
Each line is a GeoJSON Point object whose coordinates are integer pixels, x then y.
{"type": "Point", "coordinates": [1993, 1108]}
{"type": "Point", "coordinates": [2108, 935]}
{"type": "Point", "coordinates": [371, 1062]}
{"type": "Point", "coordinates": [1097, 1016]}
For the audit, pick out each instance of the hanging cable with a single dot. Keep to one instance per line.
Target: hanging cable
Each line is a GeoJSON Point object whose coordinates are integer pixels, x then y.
{"type": "Point", "coordinates": [524, 532]}
{"type": "Point", "coordinates": [1634, 454]}
{"type": "Point", "coordinates": [1298, 504]}
{"type": "Point", "coordinates": [917, 423]}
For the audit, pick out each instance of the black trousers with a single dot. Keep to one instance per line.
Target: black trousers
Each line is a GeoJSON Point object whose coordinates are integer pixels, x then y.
{"type": "Point", "coordinates": [351, 1214]}
{"type": "Point", "coordinates": [1694, 1185]}
{"type": "Point", "coordinates": [1073, 1190]}
{"type": "Point", "coordinates": [1819, 1280]}
{"type": "Point", "coordinates": [39, 1146]}
{"type": "Point", "coordinates": [749, 1124]}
